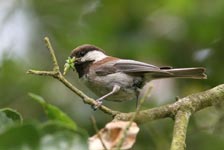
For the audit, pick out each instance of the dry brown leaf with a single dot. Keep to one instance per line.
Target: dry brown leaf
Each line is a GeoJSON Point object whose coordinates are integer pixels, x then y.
{"type": "Point", "coordinates": [112, 134]}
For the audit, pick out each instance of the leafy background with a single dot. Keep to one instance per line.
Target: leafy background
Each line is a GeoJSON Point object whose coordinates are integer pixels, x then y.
{"type": "Point", "coordinates": [178, 33]}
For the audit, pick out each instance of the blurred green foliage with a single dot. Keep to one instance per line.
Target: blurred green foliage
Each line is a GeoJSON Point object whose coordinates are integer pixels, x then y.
{"type": "Point", "coordinates": [184, 33]}
{"type": "Point", "coordinates": [59, 132]}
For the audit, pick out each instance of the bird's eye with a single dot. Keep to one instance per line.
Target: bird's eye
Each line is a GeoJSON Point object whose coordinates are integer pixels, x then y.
{"type": "Point", "coordinates": [81, 53]}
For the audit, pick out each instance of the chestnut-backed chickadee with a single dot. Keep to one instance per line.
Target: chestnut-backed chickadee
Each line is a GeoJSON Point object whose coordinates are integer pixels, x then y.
{"type": "Point", "coordinates": [118, 79]}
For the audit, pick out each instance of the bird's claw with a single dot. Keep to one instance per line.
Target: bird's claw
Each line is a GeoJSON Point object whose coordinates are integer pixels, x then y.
{"type": "Point", "coordinates": [97, 105]}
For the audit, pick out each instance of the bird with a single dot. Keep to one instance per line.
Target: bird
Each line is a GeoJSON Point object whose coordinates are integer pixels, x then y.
{"type": "Point", "coordinates": [116, 79]}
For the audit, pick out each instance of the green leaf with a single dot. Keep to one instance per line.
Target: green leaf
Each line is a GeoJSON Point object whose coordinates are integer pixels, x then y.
{"type": "Point", "coordinates": [54, 113]}
{"type": "Point", "coordinates": [8, 117]}
{"type": "Point", "coordinates": [13, 114]}
{"type": "Point", "coordinates": [52, 126]}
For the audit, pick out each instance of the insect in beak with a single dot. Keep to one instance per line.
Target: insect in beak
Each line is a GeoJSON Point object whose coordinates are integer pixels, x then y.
{"type": "Point", "coordinates": [70, 62]}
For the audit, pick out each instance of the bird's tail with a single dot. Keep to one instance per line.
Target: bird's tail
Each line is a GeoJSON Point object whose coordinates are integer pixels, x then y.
{"type": "Point", "coordinates": [194, 73]}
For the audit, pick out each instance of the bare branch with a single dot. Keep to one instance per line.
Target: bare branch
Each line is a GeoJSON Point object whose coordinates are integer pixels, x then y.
{"type": "Point", "coordinates": [192, 103]}
{"type": "Point", "coordinates": [53, 57]}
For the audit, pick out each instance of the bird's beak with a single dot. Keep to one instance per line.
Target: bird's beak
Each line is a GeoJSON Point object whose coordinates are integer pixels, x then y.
{"type": "Point", "coordinates": [70, 62]}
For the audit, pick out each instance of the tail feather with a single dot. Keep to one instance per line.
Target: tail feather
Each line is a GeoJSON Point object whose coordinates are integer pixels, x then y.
{"type": "Point", "coordinates": [194, 73]}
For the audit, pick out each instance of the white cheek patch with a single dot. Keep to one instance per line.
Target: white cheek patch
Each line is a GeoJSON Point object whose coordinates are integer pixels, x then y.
{"type": "Point", "coordinates": [93, 55]}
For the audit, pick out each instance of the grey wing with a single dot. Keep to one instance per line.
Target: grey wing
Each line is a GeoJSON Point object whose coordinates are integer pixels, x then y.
{"type": "Point", "coordinates": [132, 67]}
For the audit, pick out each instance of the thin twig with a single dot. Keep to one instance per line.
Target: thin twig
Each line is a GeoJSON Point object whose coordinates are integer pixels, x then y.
{"type": "Point", "coordinates": [97, 131]}
{"type": "Point", "coordinates": [53, 57]}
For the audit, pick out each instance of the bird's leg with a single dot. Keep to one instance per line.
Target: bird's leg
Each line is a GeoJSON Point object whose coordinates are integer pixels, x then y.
{"type": "Point", "coordinates": [143, 97]}
{"type": "Point", "coordinates": [115, 89]}
{"type": "Point", "coordinates": [137, 96]}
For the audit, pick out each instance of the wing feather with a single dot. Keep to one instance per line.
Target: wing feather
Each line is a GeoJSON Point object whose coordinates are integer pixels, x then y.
{"type": "Point", "coordinates": [129, 66]}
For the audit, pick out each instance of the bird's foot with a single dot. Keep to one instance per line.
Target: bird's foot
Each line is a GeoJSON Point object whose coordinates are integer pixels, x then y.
{"type": "Point", "coordinates": [98, 104]}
